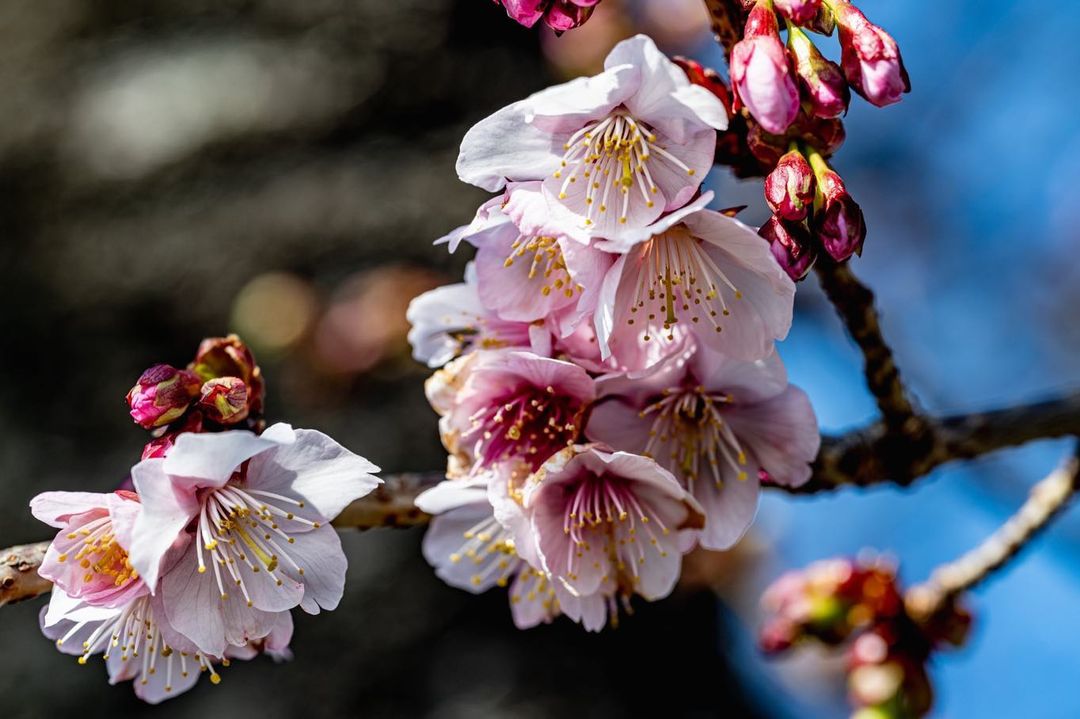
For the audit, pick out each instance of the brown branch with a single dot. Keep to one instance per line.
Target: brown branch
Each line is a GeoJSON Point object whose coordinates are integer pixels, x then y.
{"type": "Point", "coordinates": [726, 18]}
{"type": "Point", "coordinates": [18, 573]}
{"type": "Point", "coordinates": [1046, 501]}
{"type": "Point", "coordinates": [854, 302]}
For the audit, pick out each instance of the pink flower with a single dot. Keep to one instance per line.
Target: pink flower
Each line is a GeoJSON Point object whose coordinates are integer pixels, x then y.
{"type": "Point", "coordinates": [695, 272]}
{"type": "Point", "coordinates": [560, 15]}
{"type": "Point", "coordinates": [823, 80]}
{"type": "Point", "coordinates": [162, 394]}
{"type": "Point", "coordinates": [509, 408]}
{"type": "Point", "coordinates": [256, 513]}
{"type": "Point", "coordinates": [451, 321]}
{"type": "Point", "coordinates": [472, 550]}
{"type": "Point", "coordinates": [718, 425]}
{"type": "Point", "coordinates": [791, 245]}
{"type": "Point", "coordinates": [614, 151]}
{"type": "Point", "coordinates": [838, 221]}
{"type": "Point", "coordinates": [88, 559]}
{"type": "Point", "coordinates": [606, 523]}
{"type": "Point", "coordinates": [761, 75]}
{"type": "Point", "coordinates": [524, 275]}
{"type": "Point", "coordinates": [789, 188]}
{"type": "Point", "coordinates": [139, 645]}
{"type": "Point", "coordinates": [799, 12]}
{"type": "Point", "coordinates": [870, 57]}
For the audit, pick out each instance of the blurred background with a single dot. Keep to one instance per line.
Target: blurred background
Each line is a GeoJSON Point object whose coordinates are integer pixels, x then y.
{"type": "Point", "coordinates": [276, 168]}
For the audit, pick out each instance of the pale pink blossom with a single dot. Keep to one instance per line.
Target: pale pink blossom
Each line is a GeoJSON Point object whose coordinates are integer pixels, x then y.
{"type": "Point", "coordinates": [137, 643]}
{"type": "Point", "coordinates": [88, 558]}
{"type": "Point", "coordinates": [719, 425]}
{"type": "Point", "coordinates": [525, 275]}
{"type": "Point", "coordinates": [695, 272]}
{"type": "Point", "coordinates": [608, 523]}
{"type": "Point", "coordinates": [451, 321]}
{"type": "Point", "coordinates": [257, 512]}
{"type": "Point", "coordinates": [614, 150]}
{"type": "Point", "coordinates": [509, 408]}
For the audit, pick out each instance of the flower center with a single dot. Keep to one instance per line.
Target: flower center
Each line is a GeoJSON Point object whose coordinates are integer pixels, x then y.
{"type": "Point", "coordinates": [677, 280]}
{"type": "Point", "coordinates": [490, 547]}
{"type": "Point", "coordinates": [248, 527]}
{"type": "Point", "coordinates": [689, 425]}
{"type": "Point", "coordinates": [135, 635]}
{"type": "Point", "coordinates": [602, 510]}
{"type": "Point", "coordinates": [547, 262]}
{"type": "Point", "coordinates": [530, 424]}
{"type": "Point", "coordinates": [611, 157]}
{"type": "Point", "coordinates": [100, 554]}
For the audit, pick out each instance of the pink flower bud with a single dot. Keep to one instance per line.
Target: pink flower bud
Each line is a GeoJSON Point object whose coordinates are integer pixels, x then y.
{"type": "Point", "coordinates": [839, 222]}
{"type": "Point", "coordinates": [230, 357]}
{"type": "Point", "coordinates": [799, 12]}
{"type": "Point", "coordinates": [225, 400]}
{"type": "Point", "coordinates": [761, 75]}
{"type": "Point", "coordinates": [822, 79]}
{"type": "Point", "coordinates": [560, 15]}
{"type": "Point", "coordinates": [162, 394]}
{"type": "Point", "coordinates": [789, 188]}
{"type": "Point", "coordinates": [160, 446]}
{"type": "Point", "coordinates": [791, 246]}
{"type": "Point", "coordinates": [870, 57]}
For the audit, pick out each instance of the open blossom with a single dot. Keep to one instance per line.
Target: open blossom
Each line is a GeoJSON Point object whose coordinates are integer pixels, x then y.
{"type": "Point", "coordinates": [137, 643]}
{"type": "Point", "coordinates": [509, 408]}
{"type": "Point", "coordinates": [526, 275]}
{"type": "Point", "coordinates": [614, 151]}
{"type": "Point", "coordinates": [718, 425]}
{"type": "Point", "coordinates": [255, 512]}
{"type": "Point", "coordinates": [559, 15]}
{"type": "Point", "coordinates": [695, 272]}
{"type": "Point", "coordinates": [761, 76]}
{"type": "Point", "coordinates": [88, 559]}
{"type": "Point", "coordinates": [608, 523]}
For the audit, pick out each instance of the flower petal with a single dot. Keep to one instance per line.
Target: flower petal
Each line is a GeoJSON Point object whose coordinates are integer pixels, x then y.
{"type": "Point", "coordinates": [211, 458]}
{"type": "Point", "coordinates": [167, 507]}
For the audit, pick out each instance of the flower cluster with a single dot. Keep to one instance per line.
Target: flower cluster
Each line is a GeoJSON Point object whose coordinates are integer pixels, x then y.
{"type": "Point", "coordinates": [559, 15]}
{"type": "Point", "coordinates": [860, 603]}
{"type": "Point", "coordinates": [787, 100]}
{"type": "Point", "coordinates": [609, 392]}
{"type": "Point", "coordinates": [222, 532]}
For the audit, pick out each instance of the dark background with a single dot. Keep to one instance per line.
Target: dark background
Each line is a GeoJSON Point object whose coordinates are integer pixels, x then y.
{"type": "Point", "coordinates": [172, 170]}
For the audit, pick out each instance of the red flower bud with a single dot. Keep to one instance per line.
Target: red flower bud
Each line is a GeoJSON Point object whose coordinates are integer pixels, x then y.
{"type": "Point", "coordinates": [162, 394]}
{"type": "Point", "coordinates": [822, 79]}
{"type": "Point", "coordinates": [789, 188]}
{"type": "Point", "coordinates": [799, 12]}
{"type": "Point", "coordinates": [870, 57]}
{"type": "Point", "coordinates": [838, 220]}
{"type": "Point", "coordinates": [761, 77]}
{"type": "Point", "coordinates": [791, 246]}
{"type": "Point", "coordinates": [560, 15]}
{"type": "Point", "coordinates": [230, 357]}
{"type": "Point", "coordinates": [225, 400]}
{"type": "Point", "coordinates": [825, 135]}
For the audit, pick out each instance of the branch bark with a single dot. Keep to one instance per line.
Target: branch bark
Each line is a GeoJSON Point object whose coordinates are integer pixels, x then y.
{"type": "Point", "coordinates": [1046, 501]}
{"type": "Point", "coordinates": [18, 572]}
{"type": "Point", "coordinates": [726, 18]}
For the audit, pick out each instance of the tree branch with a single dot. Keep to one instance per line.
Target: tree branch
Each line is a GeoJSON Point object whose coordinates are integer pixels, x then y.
{"type": "Point", "coordinates": [726, 18]}
{"type": "Point", "coordinates": [18, 573]}
{"type": "Point", "coordinates": [1046, 501]}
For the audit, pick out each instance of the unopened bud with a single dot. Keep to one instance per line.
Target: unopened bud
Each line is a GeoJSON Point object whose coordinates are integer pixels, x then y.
{"type": "Point", "coordinates": [559, 15]}
{"type": "Point", "coordinates": [230, 357]}
{"type": "Point", "coordinates": [761, 77]}
{"type": "Point", "coordinates": [162, 394]}
{"type": "Point", "coordinates": [225, 400]}
{"type": "Point", "coordinates": [838, 219]}
{"type": "Point", "coordinates": [825, 135]}
{"type": "Point", "coordinates": [160, 446]}
{"type": "Point", "coordinates": [870, 58]}
{"type": "Point", "coordinates": [789, 188]}
{"type": "Point", "coordinates": [790, 245]}
{"type": "Point", "coordinates": [799, 12]}
{"type": "Point", "coordinates": [822, 79]}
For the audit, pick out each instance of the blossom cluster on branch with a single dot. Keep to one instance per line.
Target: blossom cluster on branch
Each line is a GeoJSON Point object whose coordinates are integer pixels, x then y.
{"type": "Point", "coordinates": [610, 395]}
{"type": "Point", "coordinates": [218, 533]}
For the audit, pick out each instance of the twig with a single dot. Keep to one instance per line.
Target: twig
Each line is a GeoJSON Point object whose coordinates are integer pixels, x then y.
{"type": "Point", "coordinates": [854, 302]}
{"type": "Point", "coordinates": [1046, 501]}
{"type": "Point", "coordinates": [726, 18]}
{"type": "Point", "coordinates": [18, 572]}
